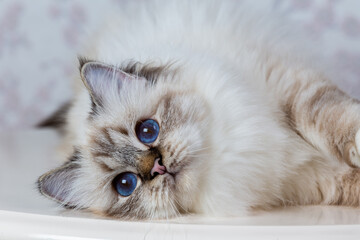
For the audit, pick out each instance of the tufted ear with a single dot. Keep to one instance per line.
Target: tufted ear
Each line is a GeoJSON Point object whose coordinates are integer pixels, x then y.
{"type": "Point", "coordinates": [58, 184]}
{"type": "Point", "coordinates": [100, 79]}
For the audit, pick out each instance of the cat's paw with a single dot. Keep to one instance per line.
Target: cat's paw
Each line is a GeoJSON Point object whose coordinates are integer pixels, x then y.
{"type": "Point", "coordinates": [353, 157]}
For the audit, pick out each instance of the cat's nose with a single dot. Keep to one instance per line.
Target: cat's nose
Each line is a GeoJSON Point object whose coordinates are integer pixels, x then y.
{"type": "Point", "coordinates": [150, 164]}
{"type": "Point", "coordinates": [158, 168]}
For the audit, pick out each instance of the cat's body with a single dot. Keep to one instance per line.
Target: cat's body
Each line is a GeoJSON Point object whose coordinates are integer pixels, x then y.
{"type": "Point", "coordinates": [244, 124]}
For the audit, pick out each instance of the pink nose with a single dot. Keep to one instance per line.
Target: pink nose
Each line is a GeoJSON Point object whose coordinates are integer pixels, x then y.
{"type": "Point", "coordinates": [157, 168]}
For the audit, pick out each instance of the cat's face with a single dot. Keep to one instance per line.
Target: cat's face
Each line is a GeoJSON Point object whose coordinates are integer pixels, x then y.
{"type": "Point", "coordinates": [145, 150]}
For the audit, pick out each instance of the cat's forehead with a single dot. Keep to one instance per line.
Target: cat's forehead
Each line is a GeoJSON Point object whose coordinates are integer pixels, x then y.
{"type": "Point", "coordinates": [172, 110]}
{"type": "Point", "coordinates": [138, 101]}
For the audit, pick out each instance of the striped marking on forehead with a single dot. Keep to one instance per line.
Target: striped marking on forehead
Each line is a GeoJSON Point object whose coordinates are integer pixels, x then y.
{"type": "Point", "coordinates": [149, 71]}
{"type": "Point", "coordinates": [110, 153]}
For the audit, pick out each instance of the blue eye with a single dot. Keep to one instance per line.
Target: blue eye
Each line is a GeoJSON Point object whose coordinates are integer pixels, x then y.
{"type": "Point", "coordinates": [125, 183]}
{"type": "Point", "coordinates": [147, 131]}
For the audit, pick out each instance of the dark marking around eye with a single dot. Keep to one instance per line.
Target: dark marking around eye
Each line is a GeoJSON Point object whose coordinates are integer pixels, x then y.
{"type": "Point", "coordinates": [130, 209]}
{"type": "Point", "coordinates": [123, 131]}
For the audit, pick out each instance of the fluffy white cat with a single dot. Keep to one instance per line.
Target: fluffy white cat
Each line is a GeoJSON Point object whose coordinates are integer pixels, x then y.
{"type": "Point", "coordinates": [203, 107]}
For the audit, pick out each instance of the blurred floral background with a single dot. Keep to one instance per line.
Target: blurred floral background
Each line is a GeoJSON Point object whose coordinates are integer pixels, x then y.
{"type": "Point", "coordinates": [40, 40]}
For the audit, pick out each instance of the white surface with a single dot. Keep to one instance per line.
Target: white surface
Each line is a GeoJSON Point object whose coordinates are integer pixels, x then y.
{"type": "Point", "coordinates": [24, 214]}
{"type": "Point", "coordinates": [26, 226]}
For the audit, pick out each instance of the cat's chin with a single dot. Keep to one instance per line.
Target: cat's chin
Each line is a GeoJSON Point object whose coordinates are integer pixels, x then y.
{"type": "Point", "coordinates": [174, 174]}
{"type": "Point", "coordinates": [167, 179]}
{"type": "Point", "coordinates": [170, 176]}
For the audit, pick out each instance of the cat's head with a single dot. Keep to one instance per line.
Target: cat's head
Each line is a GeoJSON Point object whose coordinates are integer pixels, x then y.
{"type": "Point", "coordinates": [144, 152]}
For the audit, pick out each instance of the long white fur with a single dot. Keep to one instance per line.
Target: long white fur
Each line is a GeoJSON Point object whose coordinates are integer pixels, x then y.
{"type": "Point", "coordinates": [221, 48]}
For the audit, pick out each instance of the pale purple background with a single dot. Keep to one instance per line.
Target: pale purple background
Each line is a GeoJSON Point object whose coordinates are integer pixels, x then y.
{"type": "Point", "coordinates": [39, 42]}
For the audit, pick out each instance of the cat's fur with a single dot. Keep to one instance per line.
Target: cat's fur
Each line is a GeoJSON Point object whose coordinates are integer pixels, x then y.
{"type": "Point", "coordinates": [244, 122]}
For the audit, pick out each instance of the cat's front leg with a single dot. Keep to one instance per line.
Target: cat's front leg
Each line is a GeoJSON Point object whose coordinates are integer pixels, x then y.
{"type": "Point", "coordinates": [321, 113]}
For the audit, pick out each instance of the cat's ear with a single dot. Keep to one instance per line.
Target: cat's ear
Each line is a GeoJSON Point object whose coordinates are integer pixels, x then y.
{"type": "Point", "coordinates": [100, 79]}
{"type": "Point", "coordinates": [58, 184]}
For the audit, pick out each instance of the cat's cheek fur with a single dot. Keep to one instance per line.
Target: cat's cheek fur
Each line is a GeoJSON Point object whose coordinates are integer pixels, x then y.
{"type": "Point", "coordinates": [189, 165]}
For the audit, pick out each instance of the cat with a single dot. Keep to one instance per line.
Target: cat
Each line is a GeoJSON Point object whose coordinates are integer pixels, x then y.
{"type": "Point", "coordinates": [202, 107]}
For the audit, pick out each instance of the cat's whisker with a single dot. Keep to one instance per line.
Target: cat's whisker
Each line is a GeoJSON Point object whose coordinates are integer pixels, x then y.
{"type": "Point", "coordinates": [189, 185]}
{"type": "Point", "coordinates": [177, 152]}
{"type": "Point", "coordinates": [198, 150]}
{"type": "Point", "coordinates": [170, 198]}
{"type": "Point", "coordinates": [194, 155]}
{"type": "Point", "coordinates": [179, 204]}
{"type": "Point", "coordinates": [175, 209]}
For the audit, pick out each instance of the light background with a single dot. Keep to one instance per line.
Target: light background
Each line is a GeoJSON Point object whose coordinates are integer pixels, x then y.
{"type": "Point", "coordinates": [40, 39]}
